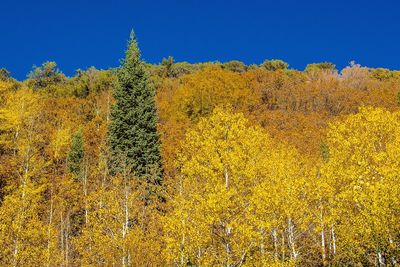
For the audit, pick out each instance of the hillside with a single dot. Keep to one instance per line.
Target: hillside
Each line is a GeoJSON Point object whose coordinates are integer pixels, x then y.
{"type": "Point", "coordinates": [258, 165]}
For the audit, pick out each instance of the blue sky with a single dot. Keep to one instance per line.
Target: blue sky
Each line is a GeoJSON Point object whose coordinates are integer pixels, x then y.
{"type": "Point", "coordinates": [80, 34]}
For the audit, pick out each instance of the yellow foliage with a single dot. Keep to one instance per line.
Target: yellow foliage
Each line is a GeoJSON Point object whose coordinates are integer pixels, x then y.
{"type": "Point", "coordinates": [363, 170]}
{"type": "Point", "coordinates": [24, 239]}
{"type": "Point", "coordinates": [228, 173]}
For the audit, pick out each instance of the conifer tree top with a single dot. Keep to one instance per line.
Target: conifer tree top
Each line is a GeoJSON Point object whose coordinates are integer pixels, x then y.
{"type": "Point", "coordinates": [133, 138]}
{"type": "Point", "coordinates": [132, 52]}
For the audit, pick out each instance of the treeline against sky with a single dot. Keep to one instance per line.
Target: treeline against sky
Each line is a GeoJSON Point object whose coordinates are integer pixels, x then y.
{"type": "Point", "coordinates": [211, 164]}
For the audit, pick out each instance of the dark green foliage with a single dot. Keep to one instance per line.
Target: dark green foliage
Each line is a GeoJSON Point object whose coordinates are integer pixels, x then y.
{"type": "Point", "coordinates": [381, 74]}
{"type": "Point", "coordinates": [76, 155]}
{"type": "Point", "coordinates": [274, 64]}
{"type": "Point", "coordinates": [4, 74]}
{"type": "Point", "coordinates": [171, 69]}
{"type": "Point", "coordinates": [91, 81]}
{"type": "Point", "coordinates": [182, 68]}
{"type": "Point", "coordinates": [323, 66]}
{"type": "Point", "coordinates": [133, 138]}
{"type": "Point", "coordinates": [324, 152]}
{"type": "Point", "coordinates": [166, 65]}
{"type": "Point", "coordinates": [235, 66]}
{"type": "Point", "coordinates": [46, 75]}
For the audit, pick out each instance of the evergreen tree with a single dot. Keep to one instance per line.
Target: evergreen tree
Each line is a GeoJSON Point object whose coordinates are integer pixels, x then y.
{"type": "Point", "coordinates": [76, 154]}
{"type": "Point", "coordinates": [133, 138]}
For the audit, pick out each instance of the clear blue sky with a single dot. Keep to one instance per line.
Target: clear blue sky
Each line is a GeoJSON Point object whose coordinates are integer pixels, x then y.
{"type": "Point", "coordinates": [80, 34]}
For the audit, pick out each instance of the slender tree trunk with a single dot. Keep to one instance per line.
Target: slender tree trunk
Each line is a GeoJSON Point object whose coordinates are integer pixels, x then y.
{"type": "Point", "coordinates": [183, 263]}
{"type": "Point", "coordinates": [283, 246]}
{"type": "Point", "coordinates": [380, 258]}
{"type": "Point", "coordinates": [394, 261]}
{"type": "Point", "coordinates": [182, 245]}
{"type": "Point", "coordinates": [49, 230]}
{"type": "Point", "coordinates": [126, 223]}
{"type": "Point", "coordinates": [85, 192]}
{"type": "Point", "coordinates": [226, 175]}
{"type": "Point", "coordinates": [323, 250]}
{"type": "Point", "coordinates": [15, 142]}
{"type": "Point", "coordinates": [105, 173]}
{"type": "Point", "coordinates": [125, 226]}
{"type": "Point", "coordinates": [262, 245]}
{"type": "Point", "coordinates": [21, 215]}
{"type": "Point", "coordinates": [275, 240]}
{"type": "Point", "coordinates": [227, 246]}
{"type": "Point", "coordinates": [333, 239]}
{"type": "Point", "coordinates": [228, 257]}
{"type": "Point", "coordinates": [15, 253]}
{"type": "Point", "coordinates": [199, 253]}
{"type": "Point", "coordinates": [67, 240]}
{"type": "Point", "coordinates": [291, 241]}
{"type": "Point", "coordinates": [108, 108]}
{"type": "Point", "coordinates": [62, 238]}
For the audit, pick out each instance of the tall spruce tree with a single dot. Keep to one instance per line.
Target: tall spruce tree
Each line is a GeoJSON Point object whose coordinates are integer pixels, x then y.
{"type": "Point", "coordinates": [133, 139]}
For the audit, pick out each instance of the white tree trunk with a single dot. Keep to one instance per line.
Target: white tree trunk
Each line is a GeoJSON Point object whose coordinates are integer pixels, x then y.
{"type": "Point", "coordinates": [49, 230]}
{"type": "Point", "coordinates": [291, 241]}
{"type": "Point", "coordinates": [333, 239]}
{"type": "Point", "coordinates": [323, 250]}
{"type": "Point", "coordinates": [275, 238]}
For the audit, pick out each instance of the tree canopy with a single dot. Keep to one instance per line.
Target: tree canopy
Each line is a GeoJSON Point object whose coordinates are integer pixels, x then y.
{"type": "Point", "coordinates": [205, 164]}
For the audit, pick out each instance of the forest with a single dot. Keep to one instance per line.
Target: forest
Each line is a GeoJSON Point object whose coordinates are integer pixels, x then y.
{"type": "Point", "coordinates": [206, 164]}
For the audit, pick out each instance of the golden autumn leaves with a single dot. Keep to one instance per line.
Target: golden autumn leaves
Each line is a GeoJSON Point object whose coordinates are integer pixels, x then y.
{"type": "Point", "coordinates": [245, 199]}
{"type": "Point", "coordinates": [242, 187]}
{"type": "Point", "coordinates": [226, 165]}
